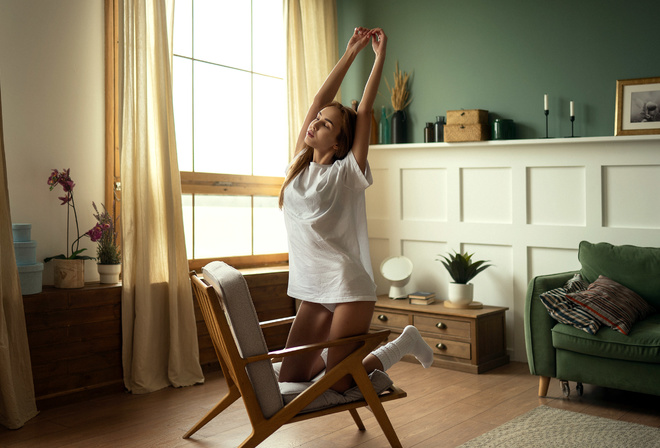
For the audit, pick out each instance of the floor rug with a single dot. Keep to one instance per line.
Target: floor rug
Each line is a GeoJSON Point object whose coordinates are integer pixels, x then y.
{"type": "Point", "coordinates": [551, 427]}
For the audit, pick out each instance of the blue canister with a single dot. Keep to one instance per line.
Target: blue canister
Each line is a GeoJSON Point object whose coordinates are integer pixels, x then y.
{"type": "Point", "coordinates": [21, 232]}
{"type": "Point", "coordinates": [503, 129]}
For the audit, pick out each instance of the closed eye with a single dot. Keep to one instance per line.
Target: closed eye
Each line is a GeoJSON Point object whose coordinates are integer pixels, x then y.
{"type": "Point", "coordinates": [325, 121]}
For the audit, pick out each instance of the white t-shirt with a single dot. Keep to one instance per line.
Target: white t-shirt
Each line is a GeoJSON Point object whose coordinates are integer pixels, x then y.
{"type": "Point", "coordinates": [326, 221]}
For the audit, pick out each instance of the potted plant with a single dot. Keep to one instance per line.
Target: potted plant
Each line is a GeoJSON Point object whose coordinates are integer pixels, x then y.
{"type": "Point", "coordinates": [107, 251]}
{"type": "Point", "coordinates": [462, 269]}
{"type": "Point", "coordinates": [69, 269]}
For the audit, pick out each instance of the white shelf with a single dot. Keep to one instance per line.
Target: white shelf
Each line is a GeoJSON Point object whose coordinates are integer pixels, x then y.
{"type": "Point", "coordinates": [525, 142]}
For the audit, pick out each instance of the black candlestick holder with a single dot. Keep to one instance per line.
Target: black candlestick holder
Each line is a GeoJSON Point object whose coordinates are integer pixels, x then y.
{"type": "Point", "coordinates": [572, 126]}
{"type": "Point", "coordinates": [546, 122]}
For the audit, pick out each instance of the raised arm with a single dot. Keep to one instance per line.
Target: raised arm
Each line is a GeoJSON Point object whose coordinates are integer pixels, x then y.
{"type": "Point", "coordinates": [363, 125]}
{"type": "Point", "coordinates": [330, 87]}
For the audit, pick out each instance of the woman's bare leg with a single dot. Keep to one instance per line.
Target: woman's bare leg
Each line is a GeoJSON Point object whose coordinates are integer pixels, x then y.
{"type": "Point", "coordinates": [349, 319]}
{"type": "Point", "coordinates": [311, 325]}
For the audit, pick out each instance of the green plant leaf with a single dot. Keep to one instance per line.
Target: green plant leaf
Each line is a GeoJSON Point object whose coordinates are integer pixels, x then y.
{"type": "Point", "coordinates": [461, 268]}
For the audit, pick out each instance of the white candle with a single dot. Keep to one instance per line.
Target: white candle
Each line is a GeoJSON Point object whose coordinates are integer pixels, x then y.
{"type": "Point", "coordinates": [545, 102]}
{"type": "Point", "coordinates": [572, 109]}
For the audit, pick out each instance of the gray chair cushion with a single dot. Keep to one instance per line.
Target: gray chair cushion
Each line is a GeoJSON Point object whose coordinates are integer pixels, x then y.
{"type": "Point", "coordinates": [380, 380]}
{"type": "Point", "coordinates": [237, 302]}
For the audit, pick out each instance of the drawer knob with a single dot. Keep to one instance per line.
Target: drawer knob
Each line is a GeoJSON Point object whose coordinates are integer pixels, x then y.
{"type": "Point", "coordinates": [440, 326]}
{"type": "Point", "coordinates": [440, 346]}
{"type": "Point", "coordinates": [382, 318]}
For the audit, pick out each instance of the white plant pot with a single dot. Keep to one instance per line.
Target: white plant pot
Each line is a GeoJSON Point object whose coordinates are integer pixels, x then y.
{"type": "Point", "coordinates": [109, 273]}
{"type": "Point", "coordinates": [460, 294]}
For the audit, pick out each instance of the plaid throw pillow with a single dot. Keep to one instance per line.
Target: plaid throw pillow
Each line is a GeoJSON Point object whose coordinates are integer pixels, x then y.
{"type": "Point", "coordinates": [612, 304]}
{"type": "Point", "coordinates": [564, 310]}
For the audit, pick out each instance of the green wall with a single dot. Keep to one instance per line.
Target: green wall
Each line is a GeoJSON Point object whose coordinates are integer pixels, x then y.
{"type": "Point", "coordinates": [503, 56]}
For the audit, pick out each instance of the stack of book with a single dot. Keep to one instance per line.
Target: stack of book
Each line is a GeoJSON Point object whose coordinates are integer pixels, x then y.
{"type": "Point", "coordinates": [421, 298]}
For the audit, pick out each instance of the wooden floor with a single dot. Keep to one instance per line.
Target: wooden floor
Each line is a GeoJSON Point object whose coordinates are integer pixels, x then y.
{"type": "Point", "coordinates": [443, 408]}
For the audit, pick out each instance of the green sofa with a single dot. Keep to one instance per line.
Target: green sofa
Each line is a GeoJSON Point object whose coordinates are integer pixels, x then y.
{"type": "Point", "coordinates": [607, 358]}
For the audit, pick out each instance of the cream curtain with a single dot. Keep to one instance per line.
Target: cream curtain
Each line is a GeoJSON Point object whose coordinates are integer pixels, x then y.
{"type": "Point", "coordinates": [17, 404]}
{"type": "Point", "coordinates": [159, 329]}
{"type": "Point", "coordinates": [311, 39]}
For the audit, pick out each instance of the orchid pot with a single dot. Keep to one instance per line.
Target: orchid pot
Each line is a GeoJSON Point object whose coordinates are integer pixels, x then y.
{"type": "Point", "coordinates": [68, 273]}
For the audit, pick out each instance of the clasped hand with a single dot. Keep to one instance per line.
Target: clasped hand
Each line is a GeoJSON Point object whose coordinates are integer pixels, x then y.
{"type": "Point", "coordinates": [361, 37]}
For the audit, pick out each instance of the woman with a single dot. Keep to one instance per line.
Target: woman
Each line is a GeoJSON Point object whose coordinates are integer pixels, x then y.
{"type": "Point", "coordinates": [324, 210]}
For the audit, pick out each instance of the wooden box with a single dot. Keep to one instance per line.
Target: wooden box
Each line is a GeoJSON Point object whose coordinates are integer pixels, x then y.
{"type": "Point", "coordinates": [470, 116]}
{"type": "Point", "coordinates": [466, 132]}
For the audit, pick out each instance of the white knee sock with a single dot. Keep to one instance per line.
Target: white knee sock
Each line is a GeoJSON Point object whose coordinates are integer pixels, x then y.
{"type": "Point", "coordinates": [410, 342]}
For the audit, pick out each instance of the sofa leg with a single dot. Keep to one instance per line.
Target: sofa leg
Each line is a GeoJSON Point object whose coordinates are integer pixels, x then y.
{"type": "Point", "coordinates": [544, 382]}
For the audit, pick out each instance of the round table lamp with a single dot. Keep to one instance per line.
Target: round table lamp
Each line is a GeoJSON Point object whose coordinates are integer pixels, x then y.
{"type": "Point", "coordinates": [397, 270]}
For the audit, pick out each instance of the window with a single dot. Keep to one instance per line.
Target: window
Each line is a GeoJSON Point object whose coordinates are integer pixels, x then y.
{"type": "Point", "coordinates": [231, 126]}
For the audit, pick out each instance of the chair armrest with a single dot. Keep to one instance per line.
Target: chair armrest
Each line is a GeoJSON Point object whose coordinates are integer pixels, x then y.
{"type": "Point", "coordinates": [538, 324]}
{"type": "Point", "coordinates": [374, 339]}
{"type": "Point", "coordinates": [276, 322]}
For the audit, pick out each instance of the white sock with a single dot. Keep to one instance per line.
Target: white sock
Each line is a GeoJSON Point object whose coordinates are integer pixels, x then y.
{"type": "Point", "coordinates": [410, 342]}
{"type": "Point", "coordinates": [324, 356]}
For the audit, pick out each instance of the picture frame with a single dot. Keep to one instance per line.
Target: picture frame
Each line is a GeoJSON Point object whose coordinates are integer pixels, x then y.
{"type": "Point", "coordinates": [637, 106]}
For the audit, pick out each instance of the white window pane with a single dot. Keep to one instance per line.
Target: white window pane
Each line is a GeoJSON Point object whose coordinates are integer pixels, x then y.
{"type": "Point", "coordinates": [269, 230]}
{"type": "Point", "coordinates": [182, 97]}
{"type": "Point", "coordinates": [187, 206]}
{"type": "Point", "coordinates": [268, 37]}
{"type": "Point", "coordinates": [222, 32]}
{"type": "Point", "coordinates": [183, 28]}
{"type": "Point", "coordinates": [270, 127]}
{"type": "Point", "coordinates": [223, 226]}
{"type": "Point", "coordinates": [223, 127]}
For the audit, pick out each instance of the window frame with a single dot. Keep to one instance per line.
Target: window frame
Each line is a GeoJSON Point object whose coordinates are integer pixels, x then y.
{"type": "Point", "coordinates": [191, 182]}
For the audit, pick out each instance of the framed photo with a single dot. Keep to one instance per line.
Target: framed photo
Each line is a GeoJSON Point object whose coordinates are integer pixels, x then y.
{"type": "Point", "coordinates": [637, 106]}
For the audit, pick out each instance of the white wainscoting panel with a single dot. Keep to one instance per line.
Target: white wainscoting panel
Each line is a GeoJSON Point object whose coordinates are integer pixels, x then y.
{"type": "Point", "coordinates": [544, 260]}
{"type": "Point", "coordinates": [486, 205]}
{"type": "Point", "coordinates": [620, 183]}
{"type": "Point", "coordinates": [433, 182]}
{"type": "Point", "coordinates": [525, 205]}
{"type": "Point", "coordinates": [556, 196]}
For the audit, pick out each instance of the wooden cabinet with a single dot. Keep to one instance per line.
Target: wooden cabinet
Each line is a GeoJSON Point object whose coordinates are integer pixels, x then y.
{"type": "Point", "coordinates": [75, 340]}
{"type": "Point", "coordinates": [469, 340]}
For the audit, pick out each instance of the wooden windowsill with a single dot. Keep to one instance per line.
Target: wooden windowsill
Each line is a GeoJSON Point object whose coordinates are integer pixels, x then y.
{"type": "Point", "coordinates": [272, 262]}
{"type": "Point", "coordinates": [265, 270]}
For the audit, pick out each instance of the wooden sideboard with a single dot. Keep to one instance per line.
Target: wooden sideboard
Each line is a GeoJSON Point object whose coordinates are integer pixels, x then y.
{"type": "Point", "coordinates": [75, 341]}
{"type": "Point", "coordinates": [469, 340]}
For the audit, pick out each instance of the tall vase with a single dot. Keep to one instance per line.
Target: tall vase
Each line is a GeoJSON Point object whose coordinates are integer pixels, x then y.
{"type": "Point", "coordinates": [398, 127]}
{"type": "Point", "coordinates": [68, 274]}
{"type": "Point", "coordinates": [109, 273]}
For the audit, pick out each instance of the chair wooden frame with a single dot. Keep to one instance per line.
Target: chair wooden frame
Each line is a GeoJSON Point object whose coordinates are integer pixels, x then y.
{"type": "Point", "coordinates": [239, 385]}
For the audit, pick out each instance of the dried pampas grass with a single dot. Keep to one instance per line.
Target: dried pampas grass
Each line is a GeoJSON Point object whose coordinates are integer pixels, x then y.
{"type": "Point", "coordinates": [400, 93]}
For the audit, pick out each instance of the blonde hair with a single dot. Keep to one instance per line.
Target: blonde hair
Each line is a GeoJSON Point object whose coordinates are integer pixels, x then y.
{"type": "Point", "coordinates": [344, 144]}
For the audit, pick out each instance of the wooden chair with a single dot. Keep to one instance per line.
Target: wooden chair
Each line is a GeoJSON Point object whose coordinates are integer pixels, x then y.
{"type": "Point", "coordinates": [247, 365]}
